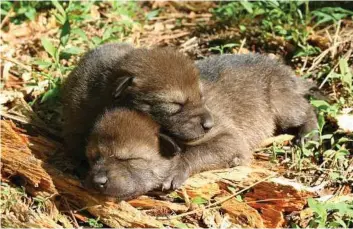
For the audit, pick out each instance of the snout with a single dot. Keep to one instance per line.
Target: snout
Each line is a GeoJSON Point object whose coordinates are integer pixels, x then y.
{"type": "Point", "coordinates": [191, 124]}
{"type": "Point", "coordinates": [207, 121]}
{"type": "Point", "coordinates": [99, 181]}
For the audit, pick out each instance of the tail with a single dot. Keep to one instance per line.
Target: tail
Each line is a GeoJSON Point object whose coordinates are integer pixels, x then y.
{"type": "Point", "coordinates": [315, 93]}
{"type": "Point", "coordinates": [312, 91]}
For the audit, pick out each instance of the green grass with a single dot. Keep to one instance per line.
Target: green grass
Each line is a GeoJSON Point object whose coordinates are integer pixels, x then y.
{"type": "Point", "coordinates": [288, 20]}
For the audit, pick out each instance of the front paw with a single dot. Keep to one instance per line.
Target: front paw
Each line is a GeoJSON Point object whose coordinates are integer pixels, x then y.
{"type": "Point", "coordinates": [242, 160]}
{"type": "Point", "coordinates": [178, 176]}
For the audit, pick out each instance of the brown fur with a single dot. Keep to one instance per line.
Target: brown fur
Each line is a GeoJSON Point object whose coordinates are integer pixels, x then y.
{"type": "Point", "coordinates": [250, 96]}
{"type": "Point", "coordinates": [129, 160]}
{"type": "Point", "coordinates": [160, 82]}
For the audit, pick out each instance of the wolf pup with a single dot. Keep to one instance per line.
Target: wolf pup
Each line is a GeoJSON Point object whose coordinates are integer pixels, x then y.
{"type": "Point", "coordinates": [128, 155]}
{"type": "Point", "coordinates": [250, 97]}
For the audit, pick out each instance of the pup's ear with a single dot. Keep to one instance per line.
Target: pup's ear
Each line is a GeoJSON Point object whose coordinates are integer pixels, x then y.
{"type": "Point", "coordinates": [121, 84]}
{"type": "Point", "coordinates": [168, 146]}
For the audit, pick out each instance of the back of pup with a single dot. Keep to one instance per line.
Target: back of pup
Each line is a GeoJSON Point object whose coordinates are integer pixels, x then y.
{"type": "Point", "coordinates": [236, 88]}
{"type": "Point", "coordinates": [267, 81]}
{"type": "Point", "coordinates": [86, 92]}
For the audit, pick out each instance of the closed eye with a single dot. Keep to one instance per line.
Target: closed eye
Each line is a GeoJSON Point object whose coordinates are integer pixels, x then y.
{"type": "Point", "coordinates": [94, 157]}
{"type": "Point", "coordinates": [169, 108]}
{"type": "Point", "coordinates": [179, 104]}
{"type": "Point", "coordinates": [125, 159]}
{"type": "Point", "coordinates": [175, 107]}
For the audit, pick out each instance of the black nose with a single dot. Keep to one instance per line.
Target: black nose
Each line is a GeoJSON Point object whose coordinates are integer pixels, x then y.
{"type": "Point", "coordinates": [100, 181]}
{"type": "Point", "coordinates": [207, 122]}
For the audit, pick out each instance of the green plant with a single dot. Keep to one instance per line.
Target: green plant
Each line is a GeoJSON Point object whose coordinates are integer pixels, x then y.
{"type": "Point", "coordinates": [276, 151]}
{"type": "Point", "coordinates": [9, 196]}
{"type": "Point", "coordinates": [345, 76]}
{"type": "Point", "coordinates": [94, 223]}
{"type": "Point", "coordinates": [288, 19]}
{"type": "Point", "coordinates": [199, 200]}
{"type": "Point", "coordinates": [331, 214]}
{"type": "Point", "coordinates": [61, 50]}
{"type": "Point", "coordinates": [330, 14]}
{"type": "Point", "coordinates": [222, 48]}
{"type": "Point", "coordinates": [276, 17]}
{"type": "Point", "coordinates": [23, 10]}
{"type": "Point", "coordinates": [39, 202]}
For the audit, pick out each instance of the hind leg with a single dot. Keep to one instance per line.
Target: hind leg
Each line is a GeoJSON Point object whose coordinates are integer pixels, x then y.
{"type": "Point", "coordinates": [294, 112]}
{"type": "Point", "coordinates": [309, 125]}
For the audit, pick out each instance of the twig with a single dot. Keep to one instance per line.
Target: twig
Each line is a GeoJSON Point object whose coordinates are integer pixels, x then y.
{"type": "Point", "coordinates": [275, 199]}
{"type": "Point", "coordinates": [71, 213]}
{"type": "Point", "coordinates": [335, 38]}
{"type": "Point", "coordinates": [229, 183]}
{"type": "Point", "coordinates": [346, 56]}
{"type": "Point", "coordinates": [304, 65]}
{"type": "Point", "coordinates": [189, 42]}
{"type": "Point", "coordinates": [6, 18]}
{"type": "Point", "coordinates": [15, 73]}
{"type": "Point", "coordinates": [180, 15]}
{"type": "Point", "coordinates": [328, 35]}
{"type": "Point", "coordinates": [28, 68]}
{"type": "Point", "coordinates": [173, 36]}
{"type": "Point", "coordinates": [242, 44]}
{"type": "Point", "coordinates": [319, 58]}
{"type": "Point", "coordinates": [186, 197]}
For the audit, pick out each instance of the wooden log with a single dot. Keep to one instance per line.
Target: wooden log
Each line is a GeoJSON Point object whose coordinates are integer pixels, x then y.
{"type": "Point", "coordinates": [18, 160]}
{"type": "Point", "coordinates": [43, 178]}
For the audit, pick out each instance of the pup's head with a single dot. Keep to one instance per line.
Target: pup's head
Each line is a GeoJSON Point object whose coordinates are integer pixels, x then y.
{"type": "Point", "coordinates": [165, 84]}
{"type": "Point", "coordinates": [127, 154]}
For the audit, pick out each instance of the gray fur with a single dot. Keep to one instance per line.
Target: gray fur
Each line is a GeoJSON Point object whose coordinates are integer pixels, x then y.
{"type": "Point", "coordinates": [250, 96]}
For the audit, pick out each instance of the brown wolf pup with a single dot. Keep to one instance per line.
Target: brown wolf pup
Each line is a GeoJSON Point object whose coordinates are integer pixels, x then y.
{"type": "Point", "coordinates": [160, 82]}
{"type": "Point", "coordinates": [128, 155]}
